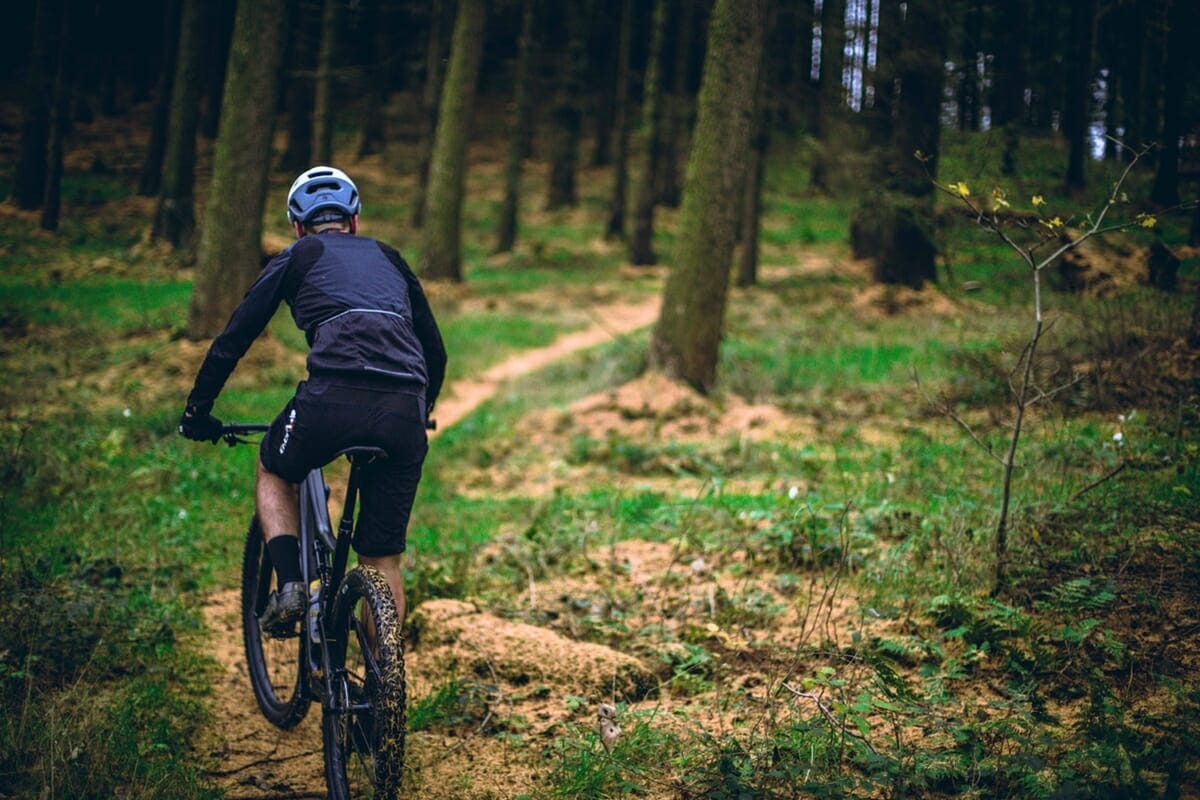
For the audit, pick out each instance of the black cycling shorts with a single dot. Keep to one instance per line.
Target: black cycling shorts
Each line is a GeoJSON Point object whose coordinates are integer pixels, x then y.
{"type": "Point", "coordinates": [325, 418]}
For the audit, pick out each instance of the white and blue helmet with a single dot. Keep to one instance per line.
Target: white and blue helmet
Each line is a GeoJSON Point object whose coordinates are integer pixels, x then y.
{"type": "Point", "coordinates": [322, 189]}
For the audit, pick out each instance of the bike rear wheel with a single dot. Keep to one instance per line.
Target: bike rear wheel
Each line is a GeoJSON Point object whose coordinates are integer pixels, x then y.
{"type": "Point", "coordinates": [275, 664]}
{"type": "Point", "coordinates": [363, 727]}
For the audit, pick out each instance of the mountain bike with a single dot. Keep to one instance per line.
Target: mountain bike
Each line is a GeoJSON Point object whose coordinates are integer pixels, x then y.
{"type": "Point", "coordinates": [348, 651]}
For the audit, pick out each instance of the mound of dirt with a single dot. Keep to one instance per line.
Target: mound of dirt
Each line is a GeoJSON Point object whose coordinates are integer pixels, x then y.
{"type": "Point", "coordinates": [655, 406]}
{"type": "Point", "coordinates": [453, 636]}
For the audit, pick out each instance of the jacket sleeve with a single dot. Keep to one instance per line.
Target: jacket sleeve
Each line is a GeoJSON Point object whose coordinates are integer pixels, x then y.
{"type": "Point", "coordinates": [426, 328]}
{"type": "Point", "coordinates": [248, 321]}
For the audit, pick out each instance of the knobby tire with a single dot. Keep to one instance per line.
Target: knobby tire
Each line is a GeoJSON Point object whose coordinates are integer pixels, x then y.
{"type": "Point", "coordinates": [275, 664]}
{"type": "Point", "coordinates": [364, 747]}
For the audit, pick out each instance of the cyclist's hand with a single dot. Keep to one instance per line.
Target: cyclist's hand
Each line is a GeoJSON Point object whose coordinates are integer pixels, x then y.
{"type": "Point", "coordinates": [199, 426]}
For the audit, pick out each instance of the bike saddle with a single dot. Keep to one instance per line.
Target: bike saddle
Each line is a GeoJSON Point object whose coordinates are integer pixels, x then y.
{"type": "Point", "coordinates": [363, 454]}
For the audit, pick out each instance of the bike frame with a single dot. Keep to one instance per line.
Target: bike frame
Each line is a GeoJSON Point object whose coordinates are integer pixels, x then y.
{"type": "Point", "coordinates": [323, 558]}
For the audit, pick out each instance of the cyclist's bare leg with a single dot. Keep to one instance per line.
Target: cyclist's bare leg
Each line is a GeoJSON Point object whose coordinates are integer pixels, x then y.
{"type": "Point", "coordinates": [278, 503]}
{"type": "Point", "coordinates": [389, 566]}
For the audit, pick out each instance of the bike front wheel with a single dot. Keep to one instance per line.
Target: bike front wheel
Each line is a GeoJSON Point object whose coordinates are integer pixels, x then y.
{"type": "Point", "coordinates": [363, 724]}
{"type": "Point", "coordinates": [275, 664]}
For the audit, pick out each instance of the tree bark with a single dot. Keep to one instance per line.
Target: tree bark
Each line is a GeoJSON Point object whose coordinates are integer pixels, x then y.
{"type": "Point", "coordinates": [686, 341]}
{"type": "Point", "coordinates": [175, 217]}
{"type": "Point", "coordinates": [641, 240]}
{"type": "Point", "coordinates": [230, 252]}
{"type": "Point", "coordinates": [441, 251]}
{"type": "Point", "coordinates": [518, 134]}
{"type": "Point", "coordinates": [751, 215]}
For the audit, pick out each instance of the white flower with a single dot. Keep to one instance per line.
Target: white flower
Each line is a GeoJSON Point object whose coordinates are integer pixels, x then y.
{"type": "Point", "coordinates": [1119, 438]}
{"type": "Point", "coordinates": [793, 492]}
{"type": "Point", "coordinates": [127, 413]}
{"type": "Point", "coordinates": [183, 513]}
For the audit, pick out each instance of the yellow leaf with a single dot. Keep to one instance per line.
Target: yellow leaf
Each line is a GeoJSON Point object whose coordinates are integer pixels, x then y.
{"type": "Point", "coordinates": [1038, 201]}
{"type": "Point", "coordinates": [1147, 220]}
{"type": "Point", "coordinates": [962, 189]}
{"type": "Point", "coordinates": [1056, 222]}
{"type": "Point", "coordinates": [998, 196]}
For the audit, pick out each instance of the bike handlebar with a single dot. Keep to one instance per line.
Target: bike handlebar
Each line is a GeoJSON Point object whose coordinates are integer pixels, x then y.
{"type": "Point", "coordinates": [233, 432]}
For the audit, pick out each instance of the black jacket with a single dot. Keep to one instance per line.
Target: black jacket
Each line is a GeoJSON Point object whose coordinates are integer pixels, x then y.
{"type": "Point", "coordinates": [360, 306]}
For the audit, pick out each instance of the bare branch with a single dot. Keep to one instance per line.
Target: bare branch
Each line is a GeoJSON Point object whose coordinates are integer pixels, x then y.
{"type": "Point", "coordinates": [828, 714]}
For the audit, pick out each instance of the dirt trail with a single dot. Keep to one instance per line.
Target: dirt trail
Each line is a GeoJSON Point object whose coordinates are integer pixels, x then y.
{"type": "Point", "coordinates": [252, 759]}
{"type": "Point", "coordinates": [464, 395]}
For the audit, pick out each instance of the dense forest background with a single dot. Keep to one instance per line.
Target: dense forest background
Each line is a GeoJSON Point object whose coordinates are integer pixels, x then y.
{"type": "Point", "coordinates": [871, 82]}
{"type": "Point", "coordinates": [665, 92]}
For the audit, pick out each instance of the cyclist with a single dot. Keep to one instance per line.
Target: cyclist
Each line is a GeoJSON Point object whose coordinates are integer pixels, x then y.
{"type": "Point", "coordinates": [375, 366]}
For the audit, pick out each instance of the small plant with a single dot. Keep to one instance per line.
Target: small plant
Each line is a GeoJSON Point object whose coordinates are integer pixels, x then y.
{"type": "Point", "coordinates": [1037, 238]}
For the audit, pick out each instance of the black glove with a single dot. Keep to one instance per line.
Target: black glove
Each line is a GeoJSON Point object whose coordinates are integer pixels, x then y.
{"type": "Point", "coordinates": [199, 426]}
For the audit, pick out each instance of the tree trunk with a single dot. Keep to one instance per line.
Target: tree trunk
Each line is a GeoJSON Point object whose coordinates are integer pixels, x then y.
{"type": "Point", "coordinates": [1180, 37]}
{"type": "Point", "coordinates": [220, 27]}
{"type": "Point", "coordinates": [150, 182]}
{"type": "Point", "coordinates": [831, 93]}
{"type": "Point", "coordinates": [323, 110]}
{"type": "Point", "coordinates": [378, 43]}
{"type": "Point", "coordinates": [60, 110]}
{"type": "Point", "coordinates": [566, 126]}
{"type": "Point", "coordinates": [616, 208]}
{"type": "Point", "coordinates": [686, 341]}
{"type": "Point", "coordinates": [175, 217]}
{"type": "Point", "coordinates": [678, 109]}
{"type": "Point", "coordinates": [1008, 93]}
{"type": "Point", "coordinates": [968, 89]}
{"type": "Point", "coordinates": [641, 240]}
{"type": "Point", "coordinates": [1076, 108]}
{"type": "Point", "coordinates": [881, 115]}
{"type": "Point", "coordinates": [429, 109]}
{"type": "Point", "coordinates": [894, 226]}
{"type": "Point", "coordinates": [756, 170]}
{"type": "Point", "coordinates": [29, 177]}
{"type": "Point", "coordinates": [299, 89]}
{"type": "Point", "coordinates": [751, 215]}
{"type": "Point", "coordinates": [441, 250]}
{"type": "Point", "coordinates": [518, 135]}
{"type": "Point", "coordinates": [230, 252]}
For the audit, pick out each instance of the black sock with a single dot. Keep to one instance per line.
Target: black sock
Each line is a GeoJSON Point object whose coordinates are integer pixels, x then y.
{"type": "Point", "coordinates": [285, 556]}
